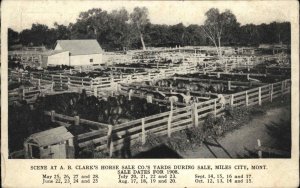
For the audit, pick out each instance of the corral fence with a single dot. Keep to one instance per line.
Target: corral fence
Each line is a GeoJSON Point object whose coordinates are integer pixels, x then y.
{"type": "Point", "coordinates": [114, 138]}
{"type": "Point", "coordinates": [95, 85]}
{"type": "Point", "coordinates": [30, 94]}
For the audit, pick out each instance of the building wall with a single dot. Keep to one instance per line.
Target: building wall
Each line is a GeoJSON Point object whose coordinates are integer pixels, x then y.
{"type": "Point", "coordinates": [58, 59]}
{"type": "Point", "coordinates": [44, 61]}
{"type": "Point", "coordinates": [84, 60]}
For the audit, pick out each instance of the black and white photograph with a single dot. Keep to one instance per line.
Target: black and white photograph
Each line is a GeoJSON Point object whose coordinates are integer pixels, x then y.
{"type": "Point", "coordinates": [149, 93]}
{"type": "Point", "coordinates": [129, 80]}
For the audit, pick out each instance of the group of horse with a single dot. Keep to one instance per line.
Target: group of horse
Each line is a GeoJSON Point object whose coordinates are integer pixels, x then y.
{"type": "Point", "coordinates": [107, 72]}
{"type": "Point", "coordinates": [111, 110]}
{"type": "Point", "coordinates": [192, 86]}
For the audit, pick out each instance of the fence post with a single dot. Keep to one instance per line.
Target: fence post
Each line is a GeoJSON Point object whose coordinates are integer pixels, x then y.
{"type": "Point", "coordinates": [95, 91]}
{"type": "Point", "coordinates": [194, 114]}
{"type": "Point", "coordinates": [248, 76]}
{"type": "Point", "coordinates": [23, 94]}
{"type": "Point", "coordinates": [110, 145]}
{"type": "Point", "coordinates": [215, 108]}
{"type": "Point", "coordinates": [282, 87]}
{"type": "Point", "coordinates": [170, 119]}
{"type": "Point", "coordinates": [39, 83]}
{"type": "Point", "coordinates": [60, 80]}
{"type": "Point", "coordinates": [76, 120]}
{"type": "Point", "coordinates": [231, 100]}
{"type": "Point", "coordinates": [129, 94]}
{"type": "Point", "coordinates": [259, 151]}
{"type": "Point", "coordinates": [229, 85]}
{"type": "Point", "coordinates": [247, 99]}
{"type": "Point", "coordinates": [52, 116]}
{"type": "Point", "coordinates": [69, 81]}
{"type": "Point", "coordinates": [52, 86]}
{"type": "Point", "coordinates": [259, 96]}
{"type": "Point", "coordinates": [271, 93]}
{"type": "Point", "coordinates": [143, 131]}
{"type": "Point", "coordinates": [91, 83]}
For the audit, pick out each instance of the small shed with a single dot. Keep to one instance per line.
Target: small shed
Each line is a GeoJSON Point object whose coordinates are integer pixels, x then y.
{"type": "Point", "coordinates": [56, 143]}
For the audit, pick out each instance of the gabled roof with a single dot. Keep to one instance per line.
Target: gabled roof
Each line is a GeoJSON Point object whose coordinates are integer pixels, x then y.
{"type": "Point", "coordinates": [53, 52]}
{"type": "Point", "coordinates": [51, 136]}
{"type": "Point", "coordinates": [80, 47]}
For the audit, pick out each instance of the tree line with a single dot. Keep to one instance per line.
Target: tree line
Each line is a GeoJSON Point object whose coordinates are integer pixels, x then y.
{"type": "Point", "coordinates": [120, 29]}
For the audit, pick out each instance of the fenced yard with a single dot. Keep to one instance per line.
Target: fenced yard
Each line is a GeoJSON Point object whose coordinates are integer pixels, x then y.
{"type": "Point", "coordinates": [114, 138]}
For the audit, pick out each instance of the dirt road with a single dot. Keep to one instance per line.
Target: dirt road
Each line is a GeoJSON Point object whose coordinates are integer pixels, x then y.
{"type": "Point", "coordinates": [241, 143]}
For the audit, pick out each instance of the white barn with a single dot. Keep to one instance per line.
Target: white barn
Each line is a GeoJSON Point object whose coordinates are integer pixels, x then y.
{"type": "Point", "coordinates": [75, 53]}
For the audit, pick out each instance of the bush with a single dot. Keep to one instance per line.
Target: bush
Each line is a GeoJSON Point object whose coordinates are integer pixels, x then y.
{"type": "Point", "coordinates": [100, 154]}
{"type": "Point", "coordinates": [136, 146]}
{"type": "Point", "coordinates": [214, 126]}
{"type": "Point", "coordinates": [152, 140]}
{"type": "Point", "coordinates": [195, 135]}
{"type": "Point", "coordinates": [179, 141]}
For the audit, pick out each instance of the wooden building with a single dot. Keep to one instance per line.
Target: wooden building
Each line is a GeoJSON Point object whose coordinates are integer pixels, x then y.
{"type": "Point", "coordinates": [56, 143]}
{"type": "Point", "coordinates": [77, 53]}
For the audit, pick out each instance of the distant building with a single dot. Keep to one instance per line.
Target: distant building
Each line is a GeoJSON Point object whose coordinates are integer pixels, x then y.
{"type": "Point", "coordinates": [56, 143]}
{"type": "Point", "coordinates": [74, 53]}
{"type": "Point", "coordinates": [274, 48]}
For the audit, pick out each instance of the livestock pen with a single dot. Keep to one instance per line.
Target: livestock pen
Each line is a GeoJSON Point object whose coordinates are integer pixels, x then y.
{"type": "Point", "coordinates": [112, 138]}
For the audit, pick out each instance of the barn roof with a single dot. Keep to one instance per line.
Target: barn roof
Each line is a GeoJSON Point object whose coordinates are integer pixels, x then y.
{"type": "Point", "coordinates": [51, 136]}
{"type": "Point", "coordinates": [53, 52]}
{"type": "Point", "coordinates": [80, 47]}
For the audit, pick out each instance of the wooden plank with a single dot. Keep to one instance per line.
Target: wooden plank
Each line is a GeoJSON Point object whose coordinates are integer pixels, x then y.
{"type": "Point", "coordinates": [183, 115]}
{"type": "Point", "coordinates": [91, 134]}
{"type": "Point", "coordinates": [143, 131]}
{"type": "Point", "coordinates": [247, 99]}
{"type": "Point", "coordinates": [205, 108]}
{"type": "Point", "coordinates": [98, 124]}
{"type": "Point", "coordinates": [252, 94]}
{"type": "Point", "coordinates": [241, 97]}
{"type": "Point", "coordinates": [127, 124]}
{"type": "Point", "coordinates": [259, 96]}
{"type": "Point", "coordinates": [69, 118]}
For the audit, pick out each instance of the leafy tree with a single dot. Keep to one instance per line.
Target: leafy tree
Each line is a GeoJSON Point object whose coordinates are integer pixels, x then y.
{"type": "Point", "coordinates": [177, 34]}
{"type": "Point", "coordinates": [217, 25]}
{"type": "Point", "coordinates": [139, 18]}
{"type": "Point", "coordinates": [249, 35]}
{"type": "Point", "coordinates": [118, 29]}
{"type": "Point", "coordinates": [62, 31]}
{"type": "Point", "coordinates": [91, 24]}
{"type": "Point", "coordinates": [13, 37]}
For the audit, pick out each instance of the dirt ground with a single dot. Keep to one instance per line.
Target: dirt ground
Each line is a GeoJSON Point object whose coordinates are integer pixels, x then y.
{"type": "Point", "coordinates": [241, 143]}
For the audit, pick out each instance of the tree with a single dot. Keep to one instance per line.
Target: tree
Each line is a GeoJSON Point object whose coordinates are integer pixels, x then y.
{"type": "Point", "coordinates": [91, 24]}
{"type": "Point", "coordinates": [139, 18]}
{"type": "Point", "coordinates": [249, 35]}
{"type": "Point", "coordinates": [62, 31]}
{"type": "Point", "coordinates": [177, 33]}
{"type": "Point", "coordinates": [118, 29]}
{"type": "Point", "coordinates": [216, 25]}
{"type": "Point", "coordinates": [13, 37]}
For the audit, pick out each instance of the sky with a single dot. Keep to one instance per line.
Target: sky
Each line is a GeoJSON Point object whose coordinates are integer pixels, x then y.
{"type": "Point", "coordinates": [22, 14]}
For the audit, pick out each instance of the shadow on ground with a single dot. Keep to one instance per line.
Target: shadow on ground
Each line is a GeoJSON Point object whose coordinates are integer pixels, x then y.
{"type": "Point", "coordinates": [161, 151]}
